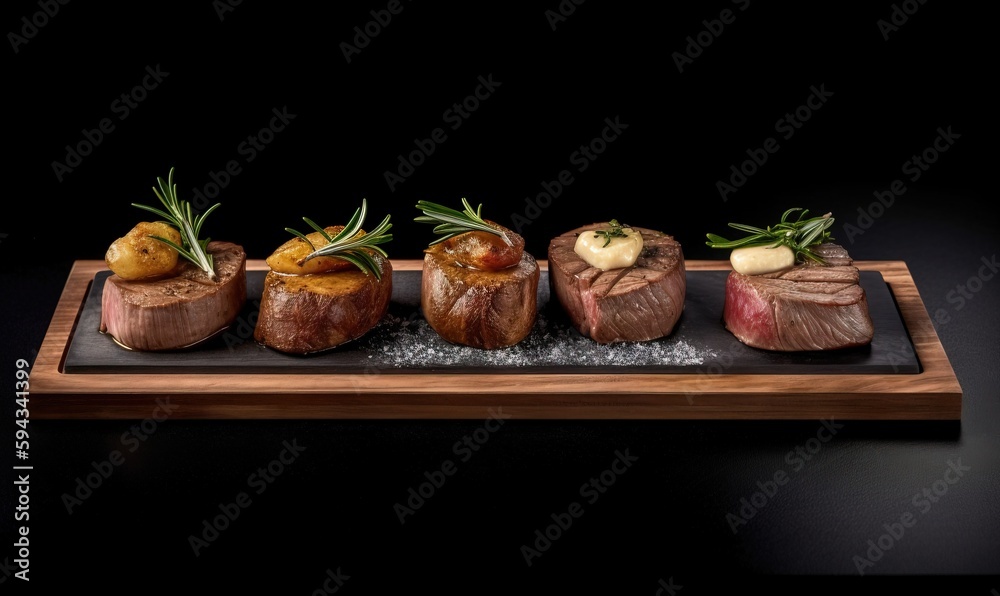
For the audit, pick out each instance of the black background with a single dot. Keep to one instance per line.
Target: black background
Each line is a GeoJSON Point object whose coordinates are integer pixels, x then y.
{"type": "Point", "coordinates": [353, 120]}
{"type": "Point", "coordinates": [666, 517]}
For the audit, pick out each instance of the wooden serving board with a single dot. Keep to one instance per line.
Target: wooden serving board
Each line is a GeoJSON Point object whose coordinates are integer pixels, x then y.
{"type": "Point", "coordinates": [78, 380]}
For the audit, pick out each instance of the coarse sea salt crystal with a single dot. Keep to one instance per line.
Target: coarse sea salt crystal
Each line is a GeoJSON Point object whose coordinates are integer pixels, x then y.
{"type": "Point", "coordinates": [412, 344]}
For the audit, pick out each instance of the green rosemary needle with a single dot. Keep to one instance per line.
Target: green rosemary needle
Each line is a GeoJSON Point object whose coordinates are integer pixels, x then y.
{"type": "Point", "coordinates": [615, 231]}
{"type": "Point", "coordinates": [349, 245]}
{"type": "Point", "coordinates": [799, 235]}
{"type": "Point", "coordinates": [180, 215]}
{"type": "Point", "coordinates": [450, 222]}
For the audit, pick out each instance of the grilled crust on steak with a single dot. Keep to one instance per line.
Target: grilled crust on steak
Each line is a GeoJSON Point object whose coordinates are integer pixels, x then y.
{"type": "Point", "coordinates": [809, 307]}
{"type": "Point", "coordinates": [302, 314]}
{"type": "Point", "coordinates": [473, 307]}
{"type": "Point", "coordinates": [180, 310]}
{"type": "Point", "coordinates": [637, 303]}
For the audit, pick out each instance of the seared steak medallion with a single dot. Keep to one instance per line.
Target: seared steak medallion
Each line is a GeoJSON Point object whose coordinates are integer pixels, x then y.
{"type": "Point", "coordinates": [637, 303]}
{"type": "Point", "coordinates": [810, 306]}
{"type": "Point", "coordinates": [478, 307]}
{"type": "Point", "coordinates": [179, 310]}
{"type": "Point", "coordinates": [325, 288]}
{"type": "Point", "coordinates": [302, 314]}
{"type": "Point", "coordinates": [479, 286]}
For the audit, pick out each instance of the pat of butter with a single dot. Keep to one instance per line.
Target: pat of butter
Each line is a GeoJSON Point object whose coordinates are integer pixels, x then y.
{"type": "Point", "coordinates": [757, 260]}
{"type": "Point", "coordinates": [619, 253]}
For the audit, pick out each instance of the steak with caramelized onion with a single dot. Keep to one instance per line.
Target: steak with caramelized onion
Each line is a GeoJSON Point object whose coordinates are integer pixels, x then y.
{"type": "Point", "coordinates": [302, 314]}
{"type": "Point", "coordinates": [179, 310]}
{"type": "Point", "coordinates": [476, 307]}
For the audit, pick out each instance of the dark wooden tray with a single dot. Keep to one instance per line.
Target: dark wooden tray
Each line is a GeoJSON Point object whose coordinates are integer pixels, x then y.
{"type": "Point", "coordinates": [699, 371]}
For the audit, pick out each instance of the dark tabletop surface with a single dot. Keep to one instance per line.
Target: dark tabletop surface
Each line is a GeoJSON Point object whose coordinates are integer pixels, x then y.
{"type": "Point", "coordinates": [669, 102]}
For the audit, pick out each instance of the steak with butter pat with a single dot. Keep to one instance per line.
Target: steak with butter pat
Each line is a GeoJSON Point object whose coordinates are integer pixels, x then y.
{"type": "Point", "coordinates": [638, 303]}
{"type": "Point", "coordinates": [811, 306]}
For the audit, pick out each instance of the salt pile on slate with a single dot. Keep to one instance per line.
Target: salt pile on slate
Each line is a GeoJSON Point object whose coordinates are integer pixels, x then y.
{"type": "Point", "coordinates": [412, 343]}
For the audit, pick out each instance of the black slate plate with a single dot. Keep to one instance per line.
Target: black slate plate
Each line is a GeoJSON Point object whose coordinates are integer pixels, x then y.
{"type": "Point", "coordinates": [403, 342]}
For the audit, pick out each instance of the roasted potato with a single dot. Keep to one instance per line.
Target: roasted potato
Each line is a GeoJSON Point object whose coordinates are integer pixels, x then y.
{"type": "Point", "coordinates": [137, 255]}
{"type": "Point", "coordinates": [288, 257]}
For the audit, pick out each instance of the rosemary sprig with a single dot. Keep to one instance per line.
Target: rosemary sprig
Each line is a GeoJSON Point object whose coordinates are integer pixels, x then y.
{"type": "Point", "coordinates": [180, 215]}
{"type": "Point", "coordinates": [350, 244]}
{"type": "Point", "coordinates": [799, 235]}
{"type": "Point", "coordinates": [615, 231]}
{"type": "Point", "coordinates": [451, 222]}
